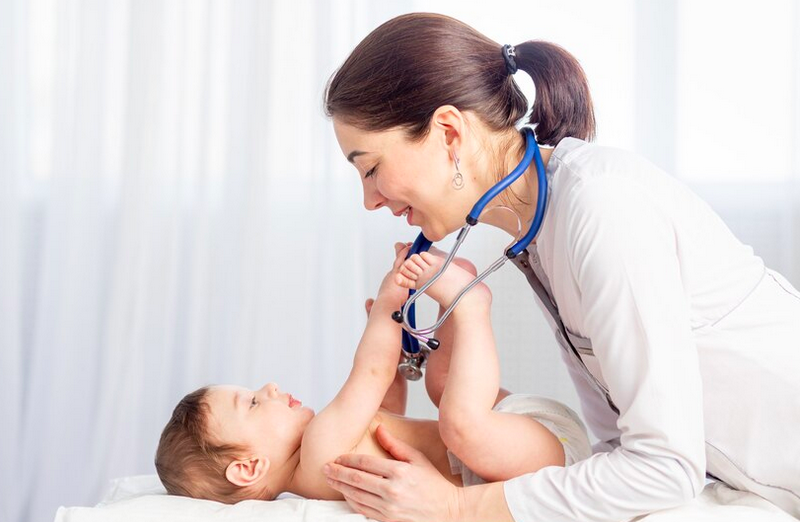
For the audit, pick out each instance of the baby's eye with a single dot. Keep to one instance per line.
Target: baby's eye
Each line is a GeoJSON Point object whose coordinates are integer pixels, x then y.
{"type": "Point", "coordinates": [253, 402]}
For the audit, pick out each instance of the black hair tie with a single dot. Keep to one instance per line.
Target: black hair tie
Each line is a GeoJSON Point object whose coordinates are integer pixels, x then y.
{"type": "Point", "coordinates": [508, 55]}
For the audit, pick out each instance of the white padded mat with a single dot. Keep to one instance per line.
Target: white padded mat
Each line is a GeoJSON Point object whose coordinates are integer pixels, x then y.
{"type": "Point", "coordinates": [143, 499]}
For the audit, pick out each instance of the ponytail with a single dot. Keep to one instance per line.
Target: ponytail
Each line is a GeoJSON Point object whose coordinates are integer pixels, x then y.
{"type": "Point", "coordinates": [563, 104]}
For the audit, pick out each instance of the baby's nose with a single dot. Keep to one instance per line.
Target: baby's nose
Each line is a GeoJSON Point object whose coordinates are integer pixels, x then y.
{"type": "Point", "coordinates": [272, 389]}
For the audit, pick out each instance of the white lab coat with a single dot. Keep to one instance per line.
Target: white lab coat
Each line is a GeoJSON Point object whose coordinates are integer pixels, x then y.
{"type": "Point", "coordinates": [695, 341]}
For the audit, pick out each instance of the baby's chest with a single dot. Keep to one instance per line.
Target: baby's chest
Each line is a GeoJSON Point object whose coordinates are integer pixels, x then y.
{"type": "Point", "coordinates": [369, 445]}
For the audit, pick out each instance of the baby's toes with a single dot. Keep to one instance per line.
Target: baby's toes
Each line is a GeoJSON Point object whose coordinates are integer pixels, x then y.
{"type": "Point", "coordinates": [431, 260]}
{"type": "Point", "coordinates": [410, 271]}
{"type": "Point", "coordinates": [404, 281]}
{"type": "Point", "coordinates": [415, 264]}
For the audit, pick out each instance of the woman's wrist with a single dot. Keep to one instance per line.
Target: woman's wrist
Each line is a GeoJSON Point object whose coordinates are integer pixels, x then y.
{"type": "Point", "coordinates": [482, 503]}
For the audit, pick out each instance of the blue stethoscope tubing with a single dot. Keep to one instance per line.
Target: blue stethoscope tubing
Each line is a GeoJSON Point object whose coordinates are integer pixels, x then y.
{"type": "Point", "coordinates": [410, 343]}
{"type": "Point", "coordinates": [412, 335]}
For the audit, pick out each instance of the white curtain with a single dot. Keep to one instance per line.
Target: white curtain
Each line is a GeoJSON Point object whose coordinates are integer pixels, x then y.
{"type": "Point", "coordinates": [175, 211]}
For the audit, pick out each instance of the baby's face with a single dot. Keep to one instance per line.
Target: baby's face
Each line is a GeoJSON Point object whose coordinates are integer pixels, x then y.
{"type": "Point", "coordinates": [267, 421]}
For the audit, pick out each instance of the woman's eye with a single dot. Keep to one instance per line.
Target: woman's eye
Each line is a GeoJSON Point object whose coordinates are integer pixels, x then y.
{"type": "Point", "coordinates": [253, 402]}
{"type": "Point", "coordinates": [370, 172]}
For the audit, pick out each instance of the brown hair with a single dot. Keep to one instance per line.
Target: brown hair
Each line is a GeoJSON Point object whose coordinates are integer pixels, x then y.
{"type": "Point", "coordinates": [413, 64]}
{"type": "Point", "coordinates": [190, 464]}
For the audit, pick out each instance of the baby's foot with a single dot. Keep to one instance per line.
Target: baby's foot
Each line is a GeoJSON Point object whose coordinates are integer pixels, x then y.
{"type": "Point", "coordinates": [420, 268]}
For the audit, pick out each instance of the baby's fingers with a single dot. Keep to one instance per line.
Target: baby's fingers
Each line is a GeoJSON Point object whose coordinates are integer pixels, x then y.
{"type": "Point", "coordinates": [399, 247]}
{"type": "Point", "coordinates": [401, 251]}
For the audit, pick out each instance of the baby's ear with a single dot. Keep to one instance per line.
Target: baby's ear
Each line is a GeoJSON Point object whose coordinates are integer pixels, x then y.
{"type": "Point", "coordinates": [246, 472]}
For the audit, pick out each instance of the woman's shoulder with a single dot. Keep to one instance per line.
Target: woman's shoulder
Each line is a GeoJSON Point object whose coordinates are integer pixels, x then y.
{"type": "Point", "coordinates": [586, 177]}
{"type": "Point", "coordinates": [598, 187]}
{"type": "Point", "coordinates": [582, 161]}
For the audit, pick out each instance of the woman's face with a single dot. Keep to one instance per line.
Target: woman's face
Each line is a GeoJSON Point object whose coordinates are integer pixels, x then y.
{"type": "Point", "coordinates": [412, 178]}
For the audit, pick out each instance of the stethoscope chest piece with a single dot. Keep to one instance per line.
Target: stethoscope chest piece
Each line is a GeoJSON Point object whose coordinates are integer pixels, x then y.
{"type": "Point", "coordinates": [410, 368]}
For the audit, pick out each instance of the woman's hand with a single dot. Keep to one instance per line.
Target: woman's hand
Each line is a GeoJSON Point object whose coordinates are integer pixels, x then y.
{"type": "Point", "coordinates": [409, 489]}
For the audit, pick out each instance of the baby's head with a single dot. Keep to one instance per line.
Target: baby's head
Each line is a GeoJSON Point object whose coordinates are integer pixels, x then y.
{"type": "Point", "coordinates": [229, 443]}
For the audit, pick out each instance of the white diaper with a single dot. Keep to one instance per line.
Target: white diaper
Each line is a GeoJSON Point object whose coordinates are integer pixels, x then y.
{"type": "Point", "coordinates": [556, 417]}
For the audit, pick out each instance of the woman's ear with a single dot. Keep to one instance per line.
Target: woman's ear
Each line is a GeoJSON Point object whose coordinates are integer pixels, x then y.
{"type": "Point", "coordinates": [449, 123]}
{"type": "Point", "coordinates": [246, 472]}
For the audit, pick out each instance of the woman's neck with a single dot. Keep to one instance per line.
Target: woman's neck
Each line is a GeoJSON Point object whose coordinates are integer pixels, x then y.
{"type": "Point", "coordinates": [520, 197]}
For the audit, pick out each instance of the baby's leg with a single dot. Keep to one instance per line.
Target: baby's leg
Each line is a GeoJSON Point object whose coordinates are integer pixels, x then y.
{"type": "Point", "coordinates": [494, 445]}
{"type": "Point", "coordinates": [461, 272]}
{"type": "Point", "coordinates": [438, 362]}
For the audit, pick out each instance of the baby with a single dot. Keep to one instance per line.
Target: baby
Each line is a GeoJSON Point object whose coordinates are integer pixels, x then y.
{"type": "Point", "coordinates": [229, 443]}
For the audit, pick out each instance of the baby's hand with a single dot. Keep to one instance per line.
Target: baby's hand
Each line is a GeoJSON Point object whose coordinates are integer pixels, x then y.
{"type": "Point", "coordinates": [390, 289]}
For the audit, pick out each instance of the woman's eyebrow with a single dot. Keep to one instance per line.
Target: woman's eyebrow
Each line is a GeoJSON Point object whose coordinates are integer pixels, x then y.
{"type": "Point", "coordinates": [353, 155]}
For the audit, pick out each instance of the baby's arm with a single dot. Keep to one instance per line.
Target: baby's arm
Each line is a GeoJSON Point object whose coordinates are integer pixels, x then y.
{"type": "Point", "coordinates": [396, 397]}
{"type": "Point", "coordinates": [342, 424]}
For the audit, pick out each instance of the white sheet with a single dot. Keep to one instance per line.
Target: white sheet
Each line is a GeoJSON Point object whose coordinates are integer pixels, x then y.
{"type": "Point", "coordinates": [143, 499]}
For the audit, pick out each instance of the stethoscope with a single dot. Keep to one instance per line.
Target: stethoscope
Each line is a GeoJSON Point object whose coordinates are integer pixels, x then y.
{"type": "Point", "coordinates": [413, 354]}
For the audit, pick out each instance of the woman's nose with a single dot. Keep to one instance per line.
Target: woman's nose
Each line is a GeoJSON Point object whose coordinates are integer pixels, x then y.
{"type": "Point", "coordinates": [373, 200]}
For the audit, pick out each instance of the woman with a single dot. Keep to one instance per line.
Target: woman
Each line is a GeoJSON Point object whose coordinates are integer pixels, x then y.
{"type": "Point", "coordinates": [683, 346]}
